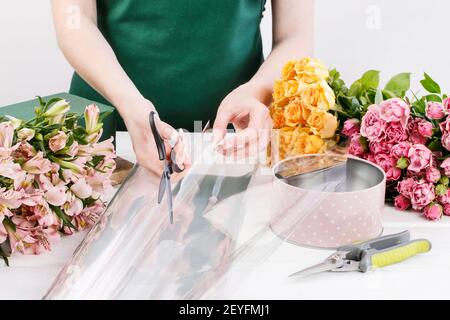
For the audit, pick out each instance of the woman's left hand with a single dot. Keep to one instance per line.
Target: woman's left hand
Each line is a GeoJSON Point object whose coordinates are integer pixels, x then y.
{"type": "Point", "coordinates": [244, 109]}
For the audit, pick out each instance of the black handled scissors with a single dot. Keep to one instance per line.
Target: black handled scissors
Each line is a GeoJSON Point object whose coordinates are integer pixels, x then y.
{"type": "Point", "coordinates": [170, 165]}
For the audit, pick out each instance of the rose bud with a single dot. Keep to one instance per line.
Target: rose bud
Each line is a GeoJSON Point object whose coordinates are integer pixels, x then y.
{"type": "Point", "coordinates": [433, 211]}
{"type": "Point", "coordinates": [435, 110]}
{"type": "Point", "coordinates": [440, 190]}
{"type": "Point", "coordinates": [401, 202]}
{"type": "Point", "coordinates": [402, 163]}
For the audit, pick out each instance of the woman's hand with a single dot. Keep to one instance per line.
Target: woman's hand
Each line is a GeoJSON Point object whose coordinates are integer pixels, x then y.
{"type": "Point", "coordinates": [244, 108]}
{"type": "Point", "coordinates": [136, 119]}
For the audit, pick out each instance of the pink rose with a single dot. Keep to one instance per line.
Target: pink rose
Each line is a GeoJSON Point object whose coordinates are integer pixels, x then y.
{"type": "Point", "coordinates": [405, 187]}
{"type": "Point", "coordinates": [413, 130]}
{"type": "Point", "coordinates": [445, 198]}
{"type": "Point", "coordinates": [369, 157]}
{"type": "Point", "coordinates": [400, 150]}
{"type": "Point", "coordinates": [447, 209]}
{"type": "Point", "coordinates": [387, 163]}
{"type": "Point", "coordinates": [372, 126]}
{"type": "Point", "coordinates": [395, 110]}
{"type": "Point", "coordinates": [395, 132]}
{"type": "Point", "coordinates": [432, 175]}
{"type": "Point", "coordinates": [445, 125]}
{"type": "Point", "coordinates": [425, 128]}
{"type": "Point", "coordinates": [380, 147]}
{"type": "Point", "coordinates": [401, 202]}
{"type": "Point", "coordinates": [445, 141]}
{"type": "Point", "coordinates": [446, 166]}
{"type": "Point", "coordinates": [419, 157]}
{"type": "Point", "coordinates": [446, 104]}
{"type": "Point", "coordinates": [422, 193]}
{"type": "Point", "coordinates": [434, 110]}
{"type": "Point", "coordinates": [56, 196]}
{"type": "Point", "coordinates": [37, 164]}
{"type": "Point", "coordinates": [350, 128]}
{"type": "Point", "coordinates": [393, 174]}
{"type": "Point", "coordinates": [355, 147]}
{"type": "Point", "coordinates": [58, 141]}
{"type": "Point", "coordinates": [433, 211]}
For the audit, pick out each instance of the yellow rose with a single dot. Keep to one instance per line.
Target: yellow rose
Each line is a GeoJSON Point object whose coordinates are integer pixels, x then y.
{"type": "Point", "coordinates": [317, 95]}
{"type": "Point", "coordinates": [285, 89]}
{"type": "Point", "coordinates": [293, 114]}
{"type": "Point", "coordinates": [310, 70]}
{"type": "Point", "coordinates": [277, 115]}
{"type": "Point", "coordinates": [314, 144]}
{"type": "Point", "coordinates": [330, 126]}
{"type": "Point", "coordinates": [288, 72]}
{"type": "Point", "coordinates": [322, 123]}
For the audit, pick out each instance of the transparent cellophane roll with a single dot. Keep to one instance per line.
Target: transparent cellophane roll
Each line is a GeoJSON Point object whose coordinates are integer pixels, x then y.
{"type": "Point", "coordinates": [221, 235]}
{"type": "Point", "coordinates": [294, 141]}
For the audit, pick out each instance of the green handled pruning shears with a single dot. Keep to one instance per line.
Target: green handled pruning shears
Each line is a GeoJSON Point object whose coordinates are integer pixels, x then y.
{"type": "Point", "coordinates": [369, 255]}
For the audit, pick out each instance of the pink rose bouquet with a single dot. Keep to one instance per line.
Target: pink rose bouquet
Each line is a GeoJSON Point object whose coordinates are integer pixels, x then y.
{"type": "Point", "coordinates": [53, 174]}
{"type": "Point", "coordinates": [409, 138]}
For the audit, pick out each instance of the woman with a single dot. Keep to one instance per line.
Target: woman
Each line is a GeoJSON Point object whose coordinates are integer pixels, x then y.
{"type": "Point", "coordinates": [186, 59]}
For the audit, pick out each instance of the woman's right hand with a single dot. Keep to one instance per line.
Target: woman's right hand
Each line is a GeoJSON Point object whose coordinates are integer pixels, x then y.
{"type": "Point", "coordinates": [136, 118]}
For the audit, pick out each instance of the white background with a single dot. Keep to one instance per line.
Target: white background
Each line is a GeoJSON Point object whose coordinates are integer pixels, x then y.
{"type": "Point", "coordinates": [352, 35]}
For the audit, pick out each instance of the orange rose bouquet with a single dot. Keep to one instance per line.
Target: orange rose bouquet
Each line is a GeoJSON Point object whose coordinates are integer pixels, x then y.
{"type": "Point", "coordinates": [302, 101]}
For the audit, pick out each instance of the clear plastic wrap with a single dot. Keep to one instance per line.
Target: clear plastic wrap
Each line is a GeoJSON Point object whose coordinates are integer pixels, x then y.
{"type": "Point", "coordinates": [222, 232]}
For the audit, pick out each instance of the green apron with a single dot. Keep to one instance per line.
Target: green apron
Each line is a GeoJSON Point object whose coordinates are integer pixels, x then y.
{"type": "Point", "coordinates": [183, 55]}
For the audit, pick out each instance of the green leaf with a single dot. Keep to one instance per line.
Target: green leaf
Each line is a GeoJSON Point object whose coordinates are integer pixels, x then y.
{"type": "Point", "coordinates": [430, 85]}
{"type": "Point", "coordinates": [355, 89]}
{"type": "Point", "coordinates": [435, 145]}
{"type": "Point", "coordinates": [433, 97]}
{"type": "Point", "coordinates": [104, 114]}
{"type": "Point", "coordinates": [41, 101]}
{"type": "Point", "coordinates": [9, 223]}
{"type": "Point", "coordinates": [379, 97]}
{"type": "Point", "coordinates": [4, 255]}
{"type": "Point", "coordinates": [364, 143]}
{"type": "Point", "coordinates": [399, 84]}
{"type": "Point", "coordinates": [370, 79]}
{"type": "Point", "coordinates": [65, 219]}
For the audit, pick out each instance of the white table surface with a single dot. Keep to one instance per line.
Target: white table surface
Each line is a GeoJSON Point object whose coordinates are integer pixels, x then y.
{"type": "Point", "coordinates": [423, 277]}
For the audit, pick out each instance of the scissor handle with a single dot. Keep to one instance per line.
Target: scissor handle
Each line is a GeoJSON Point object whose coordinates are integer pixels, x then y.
{"type": "Point", "coordinates": [374, 259]}
{"type": "Point", "coordinates": [355, 251]}
{"type": "Point", "coordinates": [158, 140]}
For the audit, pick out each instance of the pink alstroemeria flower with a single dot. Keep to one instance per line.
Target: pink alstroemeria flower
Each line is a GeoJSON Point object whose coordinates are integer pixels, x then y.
{"type": "Point", "coordinates": [73, 206]}
{"type": "Point", "coordinates": [11, 170]}
{"type": "Point", "coordinates": [58, 141]}
{"type": "Point", "coordinates": [81, 189]}
{"type": "Point", "coordinates": [10, 198]}
{"type": "Point", "coordinates": [104, 148]}
{"type": "Point", "coordinates": [29, 239]}
{"type": "Point", "coordinates": [6, 139]}
{"type": "Point", "coordinates": [38, 164]}
{"type": "Point", "coordinates": [56, 196]}
{"type": "Point", "coordinates": [91, 116]}
{"type": "Point", "coordinates": [4, 212]}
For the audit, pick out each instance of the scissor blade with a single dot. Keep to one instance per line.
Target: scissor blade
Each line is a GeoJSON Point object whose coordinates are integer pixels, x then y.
{"type": "Point", "coordinates": [169, 198]}
{"type": "Point", "coordinates": [320, 267]}
{"type": "Point", "coordinates": [207, 126]}
{"type": "Point", "coordinates": [162, 187]}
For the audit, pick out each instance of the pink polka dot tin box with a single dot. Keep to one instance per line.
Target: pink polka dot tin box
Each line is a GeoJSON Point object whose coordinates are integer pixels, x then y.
{"type": "Point", "coordinates": [327, 200]}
